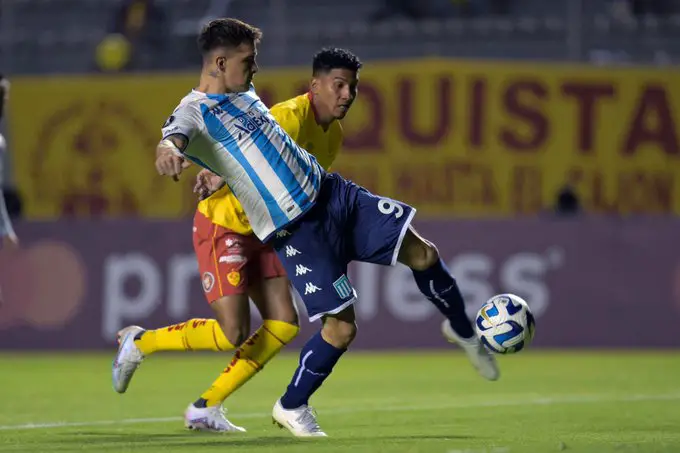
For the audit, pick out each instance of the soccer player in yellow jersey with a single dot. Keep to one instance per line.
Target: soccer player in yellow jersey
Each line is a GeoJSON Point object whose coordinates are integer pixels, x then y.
{"type": "Point", "coordinates": [234, 265]}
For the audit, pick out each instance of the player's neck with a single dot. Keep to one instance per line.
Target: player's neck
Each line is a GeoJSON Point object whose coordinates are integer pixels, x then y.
{"type": "Point", "coordinates": [209, 84]}
{"type": "Point", "coordinates": [322, 118]}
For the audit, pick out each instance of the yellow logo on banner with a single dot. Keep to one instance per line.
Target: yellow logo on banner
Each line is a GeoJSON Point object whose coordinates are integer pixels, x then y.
{"type": "Point", "coordinates": [85, 146]}
{"type": "Point", "coordinates": [450, 137]}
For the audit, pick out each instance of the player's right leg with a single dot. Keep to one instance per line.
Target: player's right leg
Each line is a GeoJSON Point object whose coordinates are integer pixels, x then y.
{"type": "Point", "coordinates": [232, 313]}
{"type": "Point", "coordinates": [268, 287]}
{"type": "Point", "coordinates": [382, 233]}
{"type": "Point", "coordinates": [317, 359]}
{"type": "Point", "coordinates": [438, 285]}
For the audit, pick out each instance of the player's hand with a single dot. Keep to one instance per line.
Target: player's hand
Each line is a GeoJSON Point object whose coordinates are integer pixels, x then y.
{"type": "Point", "coordinates": [207, 183]}
{"type": "Point", "coordinates": [10, 242]}
{"type": "Point", "coordinates": [169, 163]}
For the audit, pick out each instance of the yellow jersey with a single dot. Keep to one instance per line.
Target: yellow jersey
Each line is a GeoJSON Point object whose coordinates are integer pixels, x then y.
{"type": "Point", "coordinates": [297, 117]}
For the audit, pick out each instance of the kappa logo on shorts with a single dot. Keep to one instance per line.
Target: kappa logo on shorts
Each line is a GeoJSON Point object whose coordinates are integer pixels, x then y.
{"type": "Point", "coordinates": [291, 251]}
{"type": "Point", "coordinates": [301, 270]}
{"type": "Point", "coordinates": [311, 288]}
{"type": "Point", "coordinates": [343, 287]}
{"type": "Point", "coordinates": [208, 281]}
{"type": "Point", "coordinates": [234, 278]}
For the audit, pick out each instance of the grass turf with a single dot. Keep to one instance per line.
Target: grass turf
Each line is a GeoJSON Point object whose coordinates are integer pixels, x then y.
{"type": "Point", "coordinates": [374, 402]}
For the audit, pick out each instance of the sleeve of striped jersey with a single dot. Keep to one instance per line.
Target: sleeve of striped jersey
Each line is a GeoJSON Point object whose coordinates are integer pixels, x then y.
{"type": "Point", "coordinates": [288, 121]}
{"type": "Point", "coordinates": [185, 120]}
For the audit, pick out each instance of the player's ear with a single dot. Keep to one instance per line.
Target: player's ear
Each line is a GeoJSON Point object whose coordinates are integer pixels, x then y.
{"type": "Point", "coordinates": [221, 63]}
{"type": "Point", "coordinates": [314, 85]}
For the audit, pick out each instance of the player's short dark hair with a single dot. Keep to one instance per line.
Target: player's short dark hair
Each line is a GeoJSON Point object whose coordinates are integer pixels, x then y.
{"type": "Point", "coordinates": [331, 58]}
{"type": "Point", "coordinates": [228, 33]}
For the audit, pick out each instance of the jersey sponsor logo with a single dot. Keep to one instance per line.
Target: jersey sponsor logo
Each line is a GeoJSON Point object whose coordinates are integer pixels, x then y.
{"type": "Point", "coordinates": [343, 287]}
{"type": "Point", "coordinates": [208, 281]}
{"type": "Point", "coordinates": [231, 259]}
{"type": "Point", "coordinates": [250, 122]}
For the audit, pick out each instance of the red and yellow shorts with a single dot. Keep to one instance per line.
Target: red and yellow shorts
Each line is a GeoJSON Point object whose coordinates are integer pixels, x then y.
{"type": "Point", "coordinates": [230, 262]}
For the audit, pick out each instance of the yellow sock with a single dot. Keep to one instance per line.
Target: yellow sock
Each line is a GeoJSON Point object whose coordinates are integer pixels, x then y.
{"type": "Point", "coordinates": [192, 335]}
{"type": "Point", "coordinates": [257, 350]}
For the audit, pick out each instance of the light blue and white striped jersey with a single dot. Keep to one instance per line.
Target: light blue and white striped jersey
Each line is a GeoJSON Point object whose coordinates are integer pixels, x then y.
{"type": "Point", "coordinates": [234, 135]}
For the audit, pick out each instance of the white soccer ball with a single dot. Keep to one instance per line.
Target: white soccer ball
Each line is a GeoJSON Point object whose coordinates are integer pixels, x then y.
{"type": "Point", "coordinates": [505, 324]}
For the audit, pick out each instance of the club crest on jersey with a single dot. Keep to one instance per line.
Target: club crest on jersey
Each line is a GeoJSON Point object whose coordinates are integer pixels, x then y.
{"type": "Point", "coordinates": [208, 281]}
{"type": "Point", "coordinates": [234, 278]}
{"type": "Point", "coordinates": [343, 287]}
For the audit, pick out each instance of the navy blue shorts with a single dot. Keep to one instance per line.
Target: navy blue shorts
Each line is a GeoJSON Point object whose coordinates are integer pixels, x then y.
{"type": "Point", "coordinates": [347, 223]}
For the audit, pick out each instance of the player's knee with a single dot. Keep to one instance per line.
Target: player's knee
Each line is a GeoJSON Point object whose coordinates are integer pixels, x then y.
{"type": "Point", "coordinates": [234, 331]}
{"type": "Point", "coordinates": [290, 318]}
{"type": "Point", "coordinates": [339, 333]}
{"type": "Point", "coordinates": [419, 254]}
{"type": "Point", "coordinates": [285, 313]}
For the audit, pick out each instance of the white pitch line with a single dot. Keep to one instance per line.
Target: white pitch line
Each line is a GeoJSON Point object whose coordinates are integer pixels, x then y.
{"type": "Point", "coordinates": [537, 401]}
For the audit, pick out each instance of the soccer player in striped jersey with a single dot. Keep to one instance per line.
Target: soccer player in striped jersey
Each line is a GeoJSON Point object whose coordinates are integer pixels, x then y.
{"type": "Point", "coordinates": [234, 265]}
{"type": "Point", "coordinates": [312, 218]}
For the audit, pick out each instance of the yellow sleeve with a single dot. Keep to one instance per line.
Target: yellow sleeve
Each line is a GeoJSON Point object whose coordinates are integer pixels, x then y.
{"type": "Point", "coordinates": [288, 121]}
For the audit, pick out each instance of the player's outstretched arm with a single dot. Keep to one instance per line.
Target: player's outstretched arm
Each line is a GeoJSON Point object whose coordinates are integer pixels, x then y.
{"type": "Point", "coordinates": [169, 159]}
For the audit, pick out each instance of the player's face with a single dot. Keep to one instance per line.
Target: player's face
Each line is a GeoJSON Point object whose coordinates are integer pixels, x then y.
{"type": "Point", "coordinates": [240, 66]}
{"type": "Point", "coordinates": [336, 91]}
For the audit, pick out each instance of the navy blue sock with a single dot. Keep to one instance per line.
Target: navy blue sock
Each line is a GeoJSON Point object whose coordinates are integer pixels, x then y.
{"type": "Point", "coordinates": [440, 288]}
{"type": "Point", "coordinates": [317, 360]}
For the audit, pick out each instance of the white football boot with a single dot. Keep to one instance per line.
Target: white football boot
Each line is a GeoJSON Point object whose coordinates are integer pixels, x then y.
{"type": "Point", "coordinates": [482, 359]}
{"type": "Point", "coordinates": [301, 421]}
{"type": "Point", "coordinates": [212, 419]}
{"type": "Point", "coordinates": [128, 358]}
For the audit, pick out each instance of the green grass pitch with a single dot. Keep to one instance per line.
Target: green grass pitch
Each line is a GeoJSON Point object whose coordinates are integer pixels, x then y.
{"type": "Point", "coordinates": [545, 401]}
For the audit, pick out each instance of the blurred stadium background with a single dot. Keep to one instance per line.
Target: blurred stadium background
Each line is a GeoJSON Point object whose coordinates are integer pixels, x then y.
{"type": "Point", "coordinates": [539, 140]}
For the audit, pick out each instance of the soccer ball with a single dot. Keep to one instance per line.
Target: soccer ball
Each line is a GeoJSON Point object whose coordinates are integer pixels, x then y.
{"type": "Point", "coordinates": [505, 324]}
